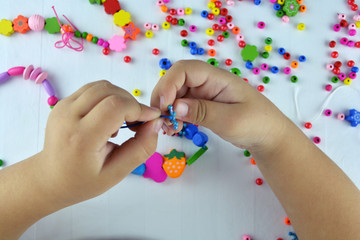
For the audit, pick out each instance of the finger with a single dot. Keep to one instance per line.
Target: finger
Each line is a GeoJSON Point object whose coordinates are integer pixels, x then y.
{"type": "Point", "coordinates": [79, 92]}
{"type": "Point", "coordinates": [125, 158]}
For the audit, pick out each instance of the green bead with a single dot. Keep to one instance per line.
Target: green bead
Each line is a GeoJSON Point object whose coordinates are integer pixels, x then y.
{"type": "Point", "coordinates": [335, 79]}
{"type": "Point", "coordinates": [52, 25]}
{"type": "Point", "coordinates": [247, 153]}
{"type": "Point", "coordinates": [1, 162]}
{"type": "Point", "coordinates": [266, 80]}
{"type": "Point", "coordinates": [184, 43]}
{"type": "Point", "coordinates": [196, 156]}
{"type": "Point", "coordinates": [51, 107]}
{"type": "Point", "coordinates": [99, 2]}
{"type": "Point", "coordinates": [249, 53]}
{"type": "Point", "coordinates": [78, 34]}
{"type": "Point", "coordinates": [95, 40]}
{"type": "Point", "coordinates": [268, 41]}
{"type": "Point", "coordinates": [226, 34]}
{"type": "Point", "coordinates": [265, 55]}
{"type": "Point", "coordinates": [84, 35]}
{"type": "Point", "coordinates": [235, 71]}
{"type": "Point", "coordinates": [213, 61]}
{"type": "Point", "coordinates": [181, 22]}
{"type": "Point", "coordinates": [280, 13]}
{"type": "Point", "coordinates": [92, 1]}
{"type": "Point", "coordinates": [294, 79]}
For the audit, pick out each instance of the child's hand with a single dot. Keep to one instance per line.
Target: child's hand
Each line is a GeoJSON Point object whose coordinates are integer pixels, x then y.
{"type": "Point", "coordinates": [78, 162]}
{"type": "Point", "coordinates": [221, 101]}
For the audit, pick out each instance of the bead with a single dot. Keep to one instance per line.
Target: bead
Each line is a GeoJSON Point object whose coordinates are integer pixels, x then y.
{"type": "Point", "coordinates": [328, 112]}
{"type": "Point", "coordinates": [181, 22]}
{"type": "Point", "coordinates": [180, 11]}
{"type": "Point", "coordinates": [264, 67]}
{"type": "Point", "coordinates": [162, 73]}
{"type": "Point", "coordinates": [230, 26]}
{"type": "Point", "coordinates": [106, 51]}
{"type": "Point", "coordinates": [347, 81]}
{"type": "Point", "coordinates": [281, 51]}
{"type": "Point", "coordinates": [274, 70]}
{"type": "Point", "coordinates": [308, 125]}
{"type": "Point", "coordinates": [184, 43]}
{"type": "Point", "coordinates": [41, 77]}
{"type": "Point", "coordinates": [353, 118]}
{"type": "Point", "coordinates": [48, 88]}
{"type": "Point", "coordinates": [285, 19]}
{"type": "Point", "coordinates": [249, 53]}
{"type": "Point", "coordinates": [213, 61]}
{"type": "Point", "coordinates": [355, 69]}
{"type": "Point", "coordinates": [122, 18]}
{"type": "Point", "coordinates": [4, 77]}
{"type": "Point", "coordinates": [259, 181]}
{"type": "Point", "coordinates": [332, 44]}
{"type": "Point", "coordinates": [136, 92]}
{"type": "Point", "coordinates": [268, 48]}
{"type": "Point", "coordinates": [242, 44]}
{"type": "Point", "coordinates": [155, 51]}
{"type": "Point", "coordinates": [220, 38]}
{"type": "Point", "coordinates": [222, 20]}
{"type": "Point", "coordinates": [95, 40]}
{"type": "Point", "coordinates": [140, 170]}
{"type": "Point", "coordinates": [294, 64]}
{"type": "Point", "coordinates": [302, 59]}
{"type": "Point", "coordinates": [130, 31]}
{"type": "Point", "coordinates": [352, 75]}
{"type": "Point", "coordinates": [246, 237]}
{"type": "Point", "coordinates": [247, 153]}
{"type": "Point", "coordinates": [192, 28]}
{"type": "Point", "coordinates": [287, 70]}
{"type": "Point", "coordinates": [343, 23]}
{"type": "Point", "coordinates": [147, 26]}
{"type": "Point", "coordinates": [261, 25]}
{"type": "Point", "coordinates": [20, 24]}
{"type": "Point", "coordinates": [287, 56]}
{"type": "Point", "coordinates": [174, 21]}
{"type": "Point", "coordinates": [209, 31]}
{"type": "Point", "coordinates": [89, 37]}
{"type": "Point", "coordinates": [228, 62]}
{"type": "Point", "coordinates": [260, 88]}
{"type": "Point", "coordinates": [52, 100]}
{"type": "Point", "coordinates": [240, 37]}
{"type": "Point", "coordinates": [173, 12]}
{"type": "Point", "coordinates": [52, 25]}
{"type": "Point", "coordinates": [36, 23]}
{"type": "Point", "coordinates": [223, 27]}
{"type": "Point", "coordinates": [183, 33]}
{"type": "Point", "coordinates": [337, 28]}
{"type": "Point", "coordinates": [149, 34]}
{"type": "Point", "coordinates": [350, 63]}
{"type": "Point", "coordinates": [236, 30]}
{"type": "Point", "coordinates": [266, 80]}
{"type": "Point", "coordinates": [196, 156]}
{"type": "Point", "coordinates": [328, 87]}
{"type": "Point", "coordinates": [236, 71]}
{"type": "Point", "coordinates": [16, 71]}
{"type": "Point", "coordinates": [192, 45]}
{"type": "Point", "coordinates": [268, 41]}
{"type": "Point", "coordinates": [294, 79]}
{"type": "Point", "coordinates": [164, 8]}
{"type": "Point", "coordinates": [166, 25]}
{"type": "Point", "coordinates": [342, 76]}
{"type": "Point", "coordinates": [265, 55]}
{"type": "Point", "coordinates": [287, 221]}
{"type": "Point", "coordinates": [316, 140]}
{"type": "Point", "coordinates": [154, 168]}
{"type": "Point", "coordinates": [249, 65]}
{"type": "Point", "coordinates": [188, 11]}
{"type": "Point", "coordinates": [164, 64]}
{"type": "Point", "coordinates": [340, 116]}
{"type": "Point", "coordinates": [127, 59]}
{"type": "Point", "coordinates": [352, 32]}
{"type": "Point", "coordinates": [256, 71]}
{"type": "Point", "coordinates": [1, 162]}
{"type": "Point", "coordinates": [200, 139]}
{"type": "Point", "coordinates": [334, 54]}
{"type": "Point", "coordinates": [211, 42]}
{"type": "Point", "coordinates": [6, 27]}
{"type": "Point", "coordinates": [100, 42]}
{"type": "Point", "coordinates": [111, 6]}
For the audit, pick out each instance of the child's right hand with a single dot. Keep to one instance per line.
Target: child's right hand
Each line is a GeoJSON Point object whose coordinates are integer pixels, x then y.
{"type": "Point", "coordinates": [221, 101]}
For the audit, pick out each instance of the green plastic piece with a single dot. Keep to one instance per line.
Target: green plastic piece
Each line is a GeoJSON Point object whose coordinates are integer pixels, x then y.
{"type": "Point", "coordinates": [236, 71]}
{"type": "Point", "coordinates": [268, 41]}
{"type": "Point", "coordinates": [52, 25]}
{"type": "Point", "coordinates": [265, 55]}
{"type": "Point", "coordinates": [1, 162]}
{"type": "Point", "coordinates": [184, 43]}
{"type": "Point", "coordinates": [335, 79]}
{"type": "Point", "coordinates": [266, 80]}
{"type": "Point", "coordinates": [175, 154]}
{"type": "Point", "coordinates": [249, 53]}
{"type": "Point", "coordinates": [181, 22]}
{"type": "Point", "coordinates": [78, 34]}
{"type": "Point", "coordinates": [84, 35]}
{"type": "Point", "coordinates": [52, 107]}
{"type": "Point", "coordinates": [291, 7]}
{"type": "Point", "coordinates": [213, 61]}
{"type": "Point", "coordinates": [99, 2]}
{"type": "Point", "coordinates": [247, 153]}
{"type": "Point", "coordinates": [226, 34]}
{"type": "Point", "coordinates": [294, 79]}
{"type": "Point", "coordinates": [280, 13]}
{"type": "Point", "coordinates": [196, 156]}
{"type": "Point", "coordinates": [92, 1]}
{"type": "Point", "coordinates": [95, 40]}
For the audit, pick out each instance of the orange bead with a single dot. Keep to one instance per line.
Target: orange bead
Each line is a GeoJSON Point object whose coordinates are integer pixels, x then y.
{"type": "Point", "coordinates": [164, 8]}
{"type": "Point", "coordinates": [252, 161]}
{"type": "Point", "coordinates": [236, 30]}
{"type": "Point", "coordinates": [302, 8]}
{"type": "Point", "coordinates": [299, 1]}
{"type": "Point", "coordinates": [212, 52]}
{"type": "Point", "coordinates": [213, 1]}
{"type": "Point", "coordinates": [294, 64]}
{"type": "Point", "coordinates": [287, 221]}
{"type": "Point", "coordinates": [89, 37]}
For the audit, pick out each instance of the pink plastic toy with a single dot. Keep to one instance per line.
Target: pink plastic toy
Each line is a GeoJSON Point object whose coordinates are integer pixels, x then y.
{"type": "Point", "coordinates": [154, 168]}
{"type": "Point", "coordinates": [36, 23]}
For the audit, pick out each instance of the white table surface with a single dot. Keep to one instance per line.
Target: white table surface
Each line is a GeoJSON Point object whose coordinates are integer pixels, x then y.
{"type": "Point", "coordinates": [216, 198]}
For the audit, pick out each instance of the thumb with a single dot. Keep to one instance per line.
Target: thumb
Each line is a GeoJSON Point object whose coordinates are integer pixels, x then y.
{"type": "Point", "coordinates": [206, 113]}
{"type": "Point", "coordinates": [135, 151]}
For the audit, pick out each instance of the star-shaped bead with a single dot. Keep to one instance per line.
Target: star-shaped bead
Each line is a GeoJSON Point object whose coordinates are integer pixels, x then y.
{"type": "Point", "coordinates": [353, 118]}
{"type": "Point", "coordinates": [130, 31]}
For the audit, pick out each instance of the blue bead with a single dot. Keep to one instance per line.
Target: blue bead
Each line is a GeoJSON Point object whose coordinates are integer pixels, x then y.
{"type": "Point", "coordinates": [302, 59]}
{"type": "Point", "coordinates": [200, 139]}
{"type": "Point", "coordinates": [275, 70]}
{"type": "Point", "coordinates": [249, 65]}
{"type": "Point", "coordinates": [140, 170]}
{"type": "Point", "coordinates": [353, 118]}
{"type": "Point", "coordinates": [192, 45]}
{"type": "Point", "coordinates": [193, 51]}
{"type": "Point", "coordinates": [163, 63]}
{"type": "Point", "coordinates": [190, 131]}
{"type": "Point", "coordinates": [201, 51]}
{"type": "Point", "coordinates": [204, 14]}
{"type": "Point", "coordinates": [257, 2]}
{"type": "Point", "coordinates": [277, 6]}
{"type": "Point", "coordinates": [355, 69]}
{"type": "Point", "coordinates": [282, 51]}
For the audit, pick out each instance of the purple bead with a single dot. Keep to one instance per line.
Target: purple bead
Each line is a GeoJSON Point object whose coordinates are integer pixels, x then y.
{"type": "Point", "coordinates": [344, 41]}
{"type": "Point", "coordinates": [351, 44]}
{"type": "Point", "coordinates": [4, 77]}
{"type": "Point", "coordinates": [352, 75]}
{"type": "Point", "coordinates": [106, 44]}
{"type": "Point", "coordinates": [48, 88]}
{"type": "Point", "coordinates": [337, 27]}
{"type": "Point", "coordinates": [100, 42]}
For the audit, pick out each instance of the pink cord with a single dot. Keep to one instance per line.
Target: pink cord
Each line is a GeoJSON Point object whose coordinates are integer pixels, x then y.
{"type": "Point", "coordinates": [67, 37]}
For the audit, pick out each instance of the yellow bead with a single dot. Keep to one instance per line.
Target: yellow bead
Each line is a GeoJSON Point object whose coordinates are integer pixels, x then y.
{"type": "Point", "coordinates": [301, 26]}
{"type": "Point", "coordinates": [136, 92]}
{"type": "Point", "coordinates": [216, 11]}
{"type": "Point", "coordinates": [6, 27]}
{"type": "Point", "coordinates": [211, 5]}
{"type": "Point", "coordinates": [209, 31]}
{"type": "Point", "coordinates": [162, 73]}
{"type": "Point", "coordinates": [281, 2]}
{"type": "Point", "coordinates": [166, 25]}
{"type": "Point", "coordinates": [357, 24]}
{"type": "Point", "coordinates": [268, 48]}
{"type": "Point", "coordinates": [188, 11]}
{"type": "Point", "coordinates": [347, 81]}
{"type": "Point", "coordinates": [103, 1]}
{"type": "Point", "coordinates": [149, 34]}
{"type": "Point", "coordinates": [121, 18]}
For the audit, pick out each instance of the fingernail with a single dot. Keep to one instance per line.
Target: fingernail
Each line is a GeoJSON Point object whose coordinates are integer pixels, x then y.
{"type": "Point", "coordinates": [158, 125]}
{"type": "Point", "coordinates": [162, 101]}
{"type": "Point", "coordinates": [181, 109]}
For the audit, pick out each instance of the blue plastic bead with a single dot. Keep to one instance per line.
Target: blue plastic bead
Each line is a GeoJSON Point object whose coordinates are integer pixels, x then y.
{"type": "Point", "coordinates": [277, 6]}
{"type": "Point", "coordinates": [353, 118]}
{"type": "Point", "coordinates": [249, 65]}
{"type": "Point", "coordinates": [302, 59]}
{"type": "Point", "coordinates": [200, 139]}
{"type": "Point", "coordinates": [164, 63]}
{"type": "Point", "coordinates": [204, 14]}
{"type": "Point", "coordinates": [4, 77]}
{"type": "Point", "coordinates": [192, 45]}
{"type": "Point", "coordinates": [190, 131]}
{"type": "Point", "coordinates": [193, 51]}
{"type": "Point", "coordinates": [355, 69]}
{"type": "Point", "coordinates": [275, 70]}
{"type": "Point", "coordinates": [201, 51]}
{"type": "Point", "coordinates": [140, 170]}
{"type": "Point", "coordinates": [257, 2]}
{"type": "Point", "coordinates": [282, 51]}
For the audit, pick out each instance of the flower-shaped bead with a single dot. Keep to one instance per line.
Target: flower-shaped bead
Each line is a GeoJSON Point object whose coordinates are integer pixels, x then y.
{"type": "Point", "coordinates": [131, 31]}
{"type": "Point", "coordinates": [291, 8]}
{"type": "Point", "coordinates": [111, 6]}
{"type": "Point", "coordinates": [249, 53]}
{"type": "Point", "coordinates": [117, 43]}
{"type": "Point", "coordinates": [6, 27]}
{"type": "Point", "coordinates": [21, 24]}
{"type": "Point", "coordinates": [353, 118]}
{"type": "Point", "coordinates": [122, 18]}
{"type": "Point", "coordinates": [52, 25]}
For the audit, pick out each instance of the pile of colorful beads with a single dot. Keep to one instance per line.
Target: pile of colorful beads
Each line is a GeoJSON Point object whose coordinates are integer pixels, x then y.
{"type": "Point", "coordinates": [288, 8]}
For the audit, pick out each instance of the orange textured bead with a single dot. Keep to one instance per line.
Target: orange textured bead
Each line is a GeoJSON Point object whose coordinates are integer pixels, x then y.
{"type": "Point", "coordinates": [236, 30]}
{"type": "Point", "coordinates": [212, 52]}
{"type": "Point", "coordinates": [164, 8]}
{"type": "Point", "coordinates": [89, 37]}
{"type": "Point", "coordinates": [302, 8]}
{"type": "Point", "coordinates": [294, 64]}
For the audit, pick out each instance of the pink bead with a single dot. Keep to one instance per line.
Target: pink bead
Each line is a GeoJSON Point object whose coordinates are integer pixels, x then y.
{"type": "Point", "coordinates": [316, 140]}
{"type": "Point", "coordinates": [230, 3]}
{"type": "Point", "coordinates": [246, 237]}
{"type": "Point", "coordinates": [344, 41]}
{"type": "Point", "coordinates": [273, 1]}
{"type": "Point", "coordinates": [147, 26]}
{"type": "Point", "coordinates": [287, 70]}
{"type": "Point", "coordinates": [328, 87]}
{"type": "Point", "coordinates": [328, 112]}
{"type": "Point", "coordinates": [52, 100]}
{"type": "Point", "coordinates": [341, 116]}
{"type": "Point", "coordinates": [337, 27]}
{"type": "Point", "coordinates": [180, 11]}
{"type": "Point", "coordinates": [342, 76]}
{"type": "Point", "coordinates": [222, 20]}
{"type": "Point", "coordinates": [285, 19]}
{"type": "Point", "coordinates": [106, 44]}
{"type": "Point", "coordinates": [28, 70]}
{"type": "Point", "coordinates": [350, 44]}
{"type": "Point", "coordinates": [330, 66]}
{"type": "Point", "coordinates": [166, 1]}
{"type": "Point", "coordinates": [352, 26]}
{"type": "Point", "coordinates": [155, 27]}
{"type": "Point", "coordinates": [256, 71]}
{"type": "Point", "coordinates": [36, 23]}
{"type": "Point", "coordinates": [352, 75]}
{"type": "Point", "coordinates": [16, 71]}
{"type": "Point", "coordinates": [356, 18]}
{"type": "Point", "coordinates": [341, 16]}
{"type": "Point", "coordinates": [261, 25]}
{"type": "Point", "coordinates": [192, 28]}
{"type": "Point", "coordinates": [35, 73]}
{"type": "Point", "coordinates": [352, 32]}
{"type": "Point", "coordinates": [264, 67]}
{"type": "Point", "coordinates": [100, 42]}
{"type": "Point", "coordinates": [159, 3]}
{"type": "Point", "coordinates": [230, 25]}
{"type": "Point", "coordinates": [240, 37]}
{"type": "Point", "coordinates": [42, 76]}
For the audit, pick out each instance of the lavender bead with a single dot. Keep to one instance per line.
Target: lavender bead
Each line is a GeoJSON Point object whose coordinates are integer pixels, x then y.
{"type": "Point", "coordinates": [48, 88]}
{"type": "Point", "coordinates": [4, 77]}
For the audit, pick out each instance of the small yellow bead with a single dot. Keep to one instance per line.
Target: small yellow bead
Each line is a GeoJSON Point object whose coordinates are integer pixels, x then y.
{"type": "Point", "coordinates": [149, 34]}
{"type": "Point", "coordinates": [162, 73]}
{"type": "Point", "coordinates": [188, 11]}
{"type": "Point", "coordinates": [301, 26]}
{"type": "Point", "coordinates": [347, 81]}
{"type": "Point", "coordinates": [281, 2]}
{"type": "Point", "coordinates": [216, 11]}
{"type": "Point", "coordinates": [268, 48]}
{"type": "Point", "coordinates": [103, 1]}
{"type": "Point", "coordinates": [211, 5]}
{"type": "Point", "coordinates": [357, 24]}
{"type": "Point", "coordinates": [136, 92]}
{"type": "Point", "coordinates": [166, 25]}
{"type": "Point", "coordinates": [209, 31]}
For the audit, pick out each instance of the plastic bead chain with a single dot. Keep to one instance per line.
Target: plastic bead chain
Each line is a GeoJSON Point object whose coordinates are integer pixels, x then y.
{"type": "Point", "coordinates": [34, 74]}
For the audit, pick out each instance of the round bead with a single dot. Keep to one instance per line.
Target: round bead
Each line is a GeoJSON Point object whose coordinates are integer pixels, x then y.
{"type": "Point", "coordinates": [316, 140]}
{"type": "Point", "coordinates": [268, 48]}
{"type": "Point", "coordinates": [340, 116]}
{"type": "Point", "coordinates": [332, 44]}
{"type": "Point", "coordinates": [246, 237]}
{"type": "Point", "coordinates": [261, 25]}
{"type": "Point", "coordinates": [155, 51]}
{"type": "Point", "coordinates": [192, 28]}
{"type": "Point", "coordinates": [155, 27]}
{"type": "Point", "coordinates": [266, 80]}
{"type": "Point", "coordinates": [264, 67]}
{"type": "Point", "coordinates": [308, 125]}
{"type": "Point", "coordinates": [256, 71]}
{"type": "Point", "coordinates": [209, 31]}
{"type": "Point", "coordinates": [287, 221]}
{"type": "Point", "coordinates": [301, 26]}
{"type": "Point", "coordinates": [268, 41]}
{"type": "Point", "coordinates": [294, 79]}
{"type": "Point", "coordinates": [260, 88]}
{"type": "Point", "coordinates": [337, 28]}
{"type": "Point", "coordinates": [183, 33]}
{"type": "Point", "coordinates": [335, 54]}
{"type": "Point", "coordinates": [285, 19]}
{"type": "Point", "coordinates": [228, 62]}
{"type": "Point", "coordinates": [347, 81]}
{"type": "Point", "coordinates": [36, 23]}
{"type": "Point", "coordinates": [166, 25]}
{"type": "Point", "coordinates": [127, 59]}
{"type": "Point", "coordinates": [188, 11]}
{"type": "Point", "coordinates": [329, 66]}
{"type": "Point", "coordinates": [28, 70]}
{"type": "Point", "coordinates": [328, 112]}
{"type": "Point", "coordinates": [180, 11]}
{"type": "Point", "coordinates": [147, 26]}
{"type": "Point", "coordinates": [259, 181]}
{"type": "Point", "coordinates": [328, 87]}
{"type": "Point", "coordinates": [287, 70]}
{"type": "Point", "coordinates": [106, 51]}
{"type": "Point", "coordinates": [149, 34]}
{"type": "Point", "coordinates": [211, 42]}
{"type": "Point", "coordinates": [247, 153]}
{"type": "Point", "coordinates": [136, 92]}
{"type": "Point", "coordinates": [162, 73]}
{"type": "Point", "coordinates": [52, 100]}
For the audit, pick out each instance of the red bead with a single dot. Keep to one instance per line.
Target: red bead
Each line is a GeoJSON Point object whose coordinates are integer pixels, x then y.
{"type": "Point", "coordinates": [332, 44]}
{"type": "Point", "coordinates": [211, 42]}
{"type": "Point", "coordinates": [183, 33]}
{"type": "Point", "coordinates": [336, 71]}
{"type": "Point", "coordinates": [216, 27]}
{"type": "Point", "coordinates": [260, 88]}
{"type": "Point", "coordinates": [350, 63]}
{"type": "Point", "coordinates": [357, 44]}
{"type": "Point", "coordinates": [218, 4]}
{"type": "Point", "coordinates": [106, 51]}
{"type": "Point", "coordinates": [287, 56]}
{"type": "Point", "coordinates": [334, 54]}
{"type": "Point", "coordinates": [223, 12]}
{"type": "Point", "coordinates": [279, 239]}
{"type": "Point", "coordinates": [172, 11]}
{"type": "Point", "coordinates": [343, 23]}
{"type": "Point", "coordinates": [242, 44]}
{"type": "Point", "coordinates": [223, 28]}
{"type": "Point", "coordinates": [308, 125]}
{"type": "Point", "coordinates": [228, 62]}
{"type": "Point", "coordinates": [174, 21]}
{"type": "Point", "coordinates": [246, 80]}
{"type": "Point", "coordinates": [211, 16]}
{"type": "Point", "coordinates": [259, 181]}
{"type": "Point", "coordinates": [127, 59]}
{"type": "Point", "coordinates": [112, 6]}
{"type": "Point", "coordinates": [155, 51]}
{"type": "Point", "coordinates": [351, 2]}
{"type": "Point", "coordinates": [338, 64]}
{"type": "Point", "coordinates": [354, 7]}
{"type": "Point", "coordinates": [168, 18]}
{"type": "Point", "coordinates": [228, 18]}
{"type": "Point", "coordinates": [220, 38]}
